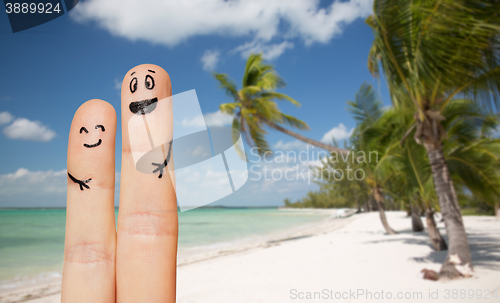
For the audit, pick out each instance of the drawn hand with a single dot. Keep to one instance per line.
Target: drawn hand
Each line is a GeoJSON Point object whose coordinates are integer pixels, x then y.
{"type": "Point", "coordinates": [80, 182]}
{"type": "Point", "coordinates": [161, 166]}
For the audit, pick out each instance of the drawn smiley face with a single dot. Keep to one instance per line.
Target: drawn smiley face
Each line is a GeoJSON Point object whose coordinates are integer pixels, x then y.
{"type": "Point", "coordinates": [144, 87]}
{"type": "Point", "coordinates": [83, 129]}
{"type": "Point", "coordinates": [145, 106]}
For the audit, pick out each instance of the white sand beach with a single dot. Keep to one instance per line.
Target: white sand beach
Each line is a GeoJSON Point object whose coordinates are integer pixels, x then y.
{"type": "Point", "coordinates": [345, 260]}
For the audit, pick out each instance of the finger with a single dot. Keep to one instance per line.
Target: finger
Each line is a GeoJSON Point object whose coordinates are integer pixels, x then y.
{"type": "Point", "coordinates": [147, 220]}
{"type": "Point", "coordinates": [90, 243]}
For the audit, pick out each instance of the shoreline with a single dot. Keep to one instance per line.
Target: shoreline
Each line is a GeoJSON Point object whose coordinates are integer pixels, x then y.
{"type": "Point", "coordinates": [332, 254]}
{"type": "Point", "coordinates": [192, 255]}
{"type": "Point", "coordinates": [42, 289]}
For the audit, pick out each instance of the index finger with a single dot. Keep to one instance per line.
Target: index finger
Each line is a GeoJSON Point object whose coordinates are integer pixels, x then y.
{"type": "Point", "coordinates": [147, 220]}
{"type": "Point", "coordinates": [90, 241]}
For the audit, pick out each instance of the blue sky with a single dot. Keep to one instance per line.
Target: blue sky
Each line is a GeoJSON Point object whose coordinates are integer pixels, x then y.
{"type": "Point", "coordinates": [319, 47]}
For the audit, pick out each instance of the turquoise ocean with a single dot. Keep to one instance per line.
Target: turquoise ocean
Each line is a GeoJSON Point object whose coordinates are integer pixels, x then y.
{"type": "Point", "coordinates": [32, 240]}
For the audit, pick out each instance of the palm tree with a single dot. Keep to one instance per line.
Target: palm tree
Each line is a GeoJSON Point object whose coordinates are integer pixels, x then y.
{"type": "Point", "coordinates": [255, 107]}
{"type": "Point", "coordinates": [437, 50]}
{"type": "Point", "coordinates": [403, 186]}
{"type": "Point", "coordinates": [371, 136]}
{"type": "Point", "coordinates": [411, 176]}
{"type": "Point", "coordinates": [412, 173]}
{"type": "Point", "coordinates": [472, 156]}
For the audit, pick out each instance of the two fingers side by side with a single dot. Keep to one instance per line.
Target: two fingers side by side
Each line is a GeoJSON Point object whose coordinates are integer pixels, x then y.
{"type": "Point", "coordinates": [90, 241]}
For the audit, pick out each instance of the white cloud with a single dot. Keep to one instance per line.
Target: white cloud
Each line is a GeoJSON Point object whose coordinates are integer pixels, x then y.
{"type": "Point", "coordinates": [210, 59]}
{"type": "Point", "coordinates": [197, 121]}
{"type": "Point", "coordinates": [201, 150]}
{"type": "Point", "coordinates": [211, 119]}
{"type": "Point", "coordinates": [24, 182]}
{"type": "Point", "coordinates": [174, 21]}
{"type": "Point", "coordinates": [118, 84]}
{"type": "Point", "coordinates": [5, 118]}
{"type": "Point", "coordinates": [25, 129]}
{"type": "Point", "coordinates": [269, 51]}
{"type": "Point", "coordinates": [338, 133]}
{"type": "Point", "coordinates": [201, 184]}
{"type": "Point", "coordinates": [218, 119]}
{"type": "Point", "coordinates": [25, 188]}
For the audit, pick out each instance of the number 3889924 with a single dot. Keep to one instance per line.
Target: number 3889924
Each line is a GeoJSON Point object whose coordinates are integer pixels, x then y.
{"type": "Point", "coordinates": [32, 8]}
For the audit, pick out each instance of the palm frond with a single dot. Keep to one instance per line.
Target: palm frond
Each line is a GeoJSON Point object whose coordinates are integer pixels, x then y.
{"type": "Point", "coordinates": [251, 90]}
{"type": "Point", "coordinates": [477, 169]}
{"type": "Point", "coordinates": [227, 84]}
{"type": "Point", "coordinates": [229, 108]}
{"type": "Point", "coordinates": [366, 107]}
{"type": "Point", "coordinates": [294, 122]}
{"type": "Point", "coordinates": [280, 96]}
{"type": "Point", "coordinates": [452, 43]}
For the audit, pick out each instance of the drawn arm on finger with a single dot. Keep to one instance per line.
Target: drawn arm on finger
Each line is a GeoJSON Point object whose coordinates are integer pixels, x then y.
{"type": "Point", "coordinates": [161, 166]}
{"type": "Point", "coordinates": [81, 183]}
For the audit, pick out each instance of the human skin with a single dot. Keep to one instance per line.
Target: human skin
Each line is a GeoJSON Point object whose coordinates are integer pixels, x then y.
{"type": "Point", "coordinates": [90, 242]}
{"type": "Point", "coordinates": [147, 221]}
{"type": "Point", "coordinates": [137, 262]}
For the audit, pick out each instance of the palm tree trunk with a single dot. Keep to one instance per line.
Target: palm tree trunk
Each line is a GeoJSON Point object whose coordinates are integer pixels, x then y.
{"type": "Point", "coordinates": [381, 211]}
{"type": "Point", "coordinates": [497, 211]}
{"type": "Point", "coordinates": [373, 204]}
{"type": "Point", "coordinates": [416, 221]}
{"type": "Point", "coordinates": [368, 206]}
{"type": "Point", "coordinates": [450, 210]}
{"type": "Point", "coordinates": [327, 147]}
{"type": "Point", "coordinates": [408, 207]}
{"type": "Point", "coordinates": [437, 240]}
{"type": "Point", "coordinates": [359, 206]}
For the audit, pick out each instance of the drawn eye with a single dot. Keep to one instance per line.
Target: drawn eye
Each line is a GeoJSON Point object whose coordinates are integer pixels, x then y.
{"type": "Point", "coordinates": [83, 129]}
{"type": "Point", "coordinates": [100, 126]}
{"type": "Point", "coordinates": [133, 85]}
{"type": "Point", "coordinates": [149, 82]}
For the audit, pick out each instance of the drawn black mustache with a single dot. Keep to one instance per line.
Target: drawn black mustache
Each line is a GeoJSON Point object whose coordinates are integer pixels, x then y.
{"type": "Point", "coordinates": [143, 107]}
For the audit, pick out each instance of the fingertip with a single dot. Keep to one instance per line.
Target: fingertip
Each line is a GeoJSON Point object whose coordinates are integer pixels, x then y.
{"type": "Point", "coordinates": [91, 114]}
{"type": "Point", "coordinates": [91, 144]}
{"type": "Point", "coordinates": [133, 84]}
{"type": "Point", "coordinates": [95, 107]}
{"type": "Point", "coordinates": [90, 238]}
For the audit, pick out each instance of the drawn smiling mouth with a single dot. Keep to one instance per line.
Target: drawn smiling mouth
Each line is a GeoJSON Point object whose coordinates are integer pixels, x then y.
{"type": "Point", "coordinates": [92, 145]}
{"type": "Point", "coordinates": [143, 107]}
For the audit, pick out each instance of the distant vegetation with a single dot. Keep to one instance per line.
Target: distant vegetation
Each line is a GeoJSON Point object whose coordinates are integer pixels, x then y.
{"type": "Point", "coordinates": [321, 199]}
